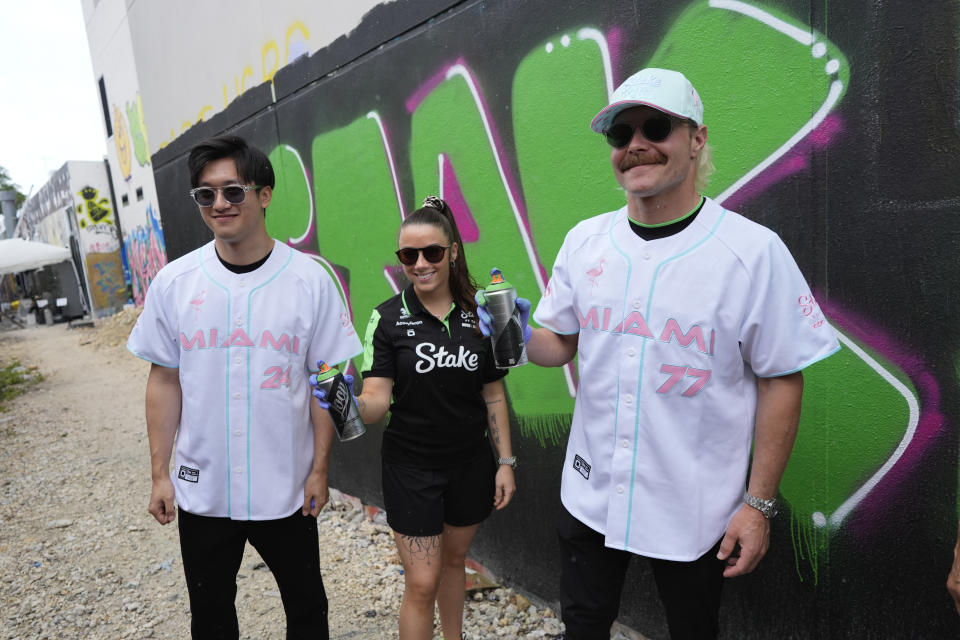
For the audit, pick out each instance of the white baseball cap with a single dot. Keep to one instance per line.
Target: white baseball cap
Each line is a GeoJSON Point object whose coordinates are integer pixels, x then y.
{"type": "Point", "coordinates": [663, 89]}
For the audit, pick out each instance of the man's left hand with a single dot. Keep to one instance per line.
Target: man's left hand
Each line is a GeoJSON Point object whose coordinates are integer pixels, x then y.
{"type": "Point", "coordinates": [751, 531]}
{"type": "Point", "coordinates": [315, 493]}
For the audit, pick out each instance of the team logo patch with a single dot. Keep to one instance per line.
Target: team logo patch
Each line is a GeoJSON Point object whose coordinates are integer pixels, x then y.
{"type": "Point", "coordinates": [581, 466]}
{"type": "Point", "coordinates": [811, 310]}
{"type": "Point", "coordinates": [411, 333]}
{"type": "Point", "coordinates": [188, 474]}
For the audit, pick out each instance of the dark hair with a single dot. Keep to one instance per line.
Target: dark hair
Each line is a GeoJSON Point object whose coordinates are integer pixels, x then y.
{"type": "Point", "coordinates": [437, 213]}
{"type": "Point", "coordinates": [253, 166]}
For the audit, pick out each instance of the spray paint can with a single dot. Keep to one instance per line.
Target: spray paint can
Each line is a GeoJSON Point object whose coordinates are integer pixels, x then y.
{"type": "Point", "coordinates": [506, 334]}
{"type": "Point", "coordinates": [343, 407]}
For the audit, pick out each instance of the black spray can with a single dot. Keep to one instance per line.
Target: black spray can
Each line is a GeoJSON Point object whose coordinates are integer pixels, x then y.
{"type": "Point", "coordinates": [343, 407]}
{"type": "Point", "coordinates": [509, 349]}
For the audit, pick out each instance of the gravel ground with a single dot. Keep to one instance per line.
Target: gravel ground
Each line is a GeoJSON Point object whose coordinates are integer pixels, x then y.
{"type": "Point", "coordinates": [80, 557]}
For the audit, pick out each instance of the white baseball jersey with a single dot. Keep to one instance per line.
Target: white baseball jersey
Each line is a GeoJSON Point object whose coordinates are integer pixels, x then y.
{"type": "Point", "coordinates": [672, 333]}
{"type": "Point", "coordinates": [244, 344]}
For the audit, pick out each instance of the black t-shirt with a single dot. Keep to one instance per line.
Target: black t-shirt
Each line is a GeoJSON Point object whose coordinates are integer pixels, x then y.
{"type": "Point", "coordinates": [438, 417]}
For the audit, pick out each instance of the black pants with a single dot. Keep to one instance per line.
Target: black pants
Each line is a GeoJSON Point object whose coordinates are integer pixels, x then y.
{"type": "Point", "coordinates": [591, 582]}
{"type": "Point", "coordinates": [212, 550]}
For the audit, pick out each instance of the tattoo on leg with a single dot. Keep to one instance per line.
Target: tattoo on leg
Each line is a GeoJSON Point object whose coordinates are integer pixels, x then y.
{"type": "Point", "coordinates": [421, 548]}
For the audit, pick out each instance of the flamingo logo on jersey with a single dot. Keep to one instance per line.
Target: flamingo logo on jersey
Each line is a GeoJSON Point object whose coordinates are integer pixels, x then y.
{"type": "Point", "coordinates": [197, 302]}
{"type": "Point", "coordinates": [594, 274]}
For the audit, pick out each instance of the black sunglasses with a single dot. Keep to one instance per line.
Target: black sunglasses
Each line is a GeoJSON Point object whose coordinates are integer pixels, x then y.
{"type": "Point", "coordinates": [433, 253]}
{"type": "Point", "coordinates": [654, 129]}
{"type": "Point", "coordinates": [232, 193]}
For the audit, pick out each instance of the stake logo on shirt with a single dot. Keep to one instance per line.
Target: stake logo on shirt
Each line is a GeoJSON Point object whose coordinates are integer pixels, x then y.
{"type": "Point", "coordinates": [432, 357]}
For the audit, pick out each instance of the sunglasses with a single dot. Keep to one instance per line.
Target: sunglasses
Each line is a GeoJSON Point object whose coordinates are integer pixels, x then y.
{"type": "Point", "coordinates": [433, 253]}
{"type": "Point", "coordinates": [654, 129]}
{"type": "Point", "coordinates": [233, 194]}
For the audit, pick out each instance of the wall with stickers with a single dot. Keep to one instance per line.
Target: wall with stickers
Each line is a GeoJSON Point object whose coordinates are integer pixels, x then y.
{"type": "Point", "coordinates": [833, 123]}
{"type": "Point", "coordinates": [74, 210]}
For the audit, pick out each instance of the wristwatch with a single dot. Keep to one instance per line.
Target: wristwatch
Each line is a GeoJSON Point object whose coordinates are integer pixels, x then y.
{"type": "Point", "coordinates": [511, 461]}
{"type": "Point", "coordinates": [767, 507]}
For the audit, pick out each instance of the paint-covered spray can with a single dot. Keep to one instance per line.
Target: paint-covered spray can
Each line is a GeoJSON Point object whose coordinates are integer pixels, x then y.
{"type": "Point", "coordinates": [343, 407]}
{"type": "Point", "coordinates": [509, 349]}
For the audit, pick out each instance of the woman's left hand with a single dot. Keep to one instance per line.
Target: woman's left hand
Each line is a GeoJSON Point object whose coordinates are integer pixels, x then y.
{"type": "Point", "coordinates": [505, 487]}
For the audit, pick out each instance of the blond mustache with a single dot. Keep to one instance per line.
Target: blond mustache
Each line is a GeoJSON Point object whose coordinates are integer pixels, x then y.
{"type": "Point", "coordinates": [634, 160]}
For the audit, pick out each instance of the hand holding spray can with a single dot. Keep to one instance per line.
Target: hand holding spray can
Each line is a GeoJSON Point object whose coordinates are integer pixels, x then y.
{"type": "Point", "coordinates": [343, 406]}
{"type": "Point", "coordinates": [509, 349]}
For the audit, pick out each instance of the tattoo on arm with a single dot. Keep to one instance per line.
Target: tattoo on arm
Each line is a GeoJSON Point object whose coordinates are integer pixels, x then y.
{"type": "Point", "coordinates": [361, 405]}
{"type": "Point", "coordinates": [420, 548]}
{"type": "Point", "coordinates": [492, 417]}
{"type": "Point", "coordinates": [494, 429]}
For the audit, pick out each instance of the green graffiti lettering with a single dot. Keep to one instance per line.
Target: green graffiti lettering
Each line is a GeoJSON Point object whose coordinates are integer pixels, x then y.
{"type": "Point", "coordinates": [539, 396]}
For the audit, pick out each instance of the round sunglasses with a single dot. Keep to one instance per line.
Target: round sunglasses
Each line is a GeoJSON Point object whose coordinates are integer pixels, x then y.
{"type": "Point", "coordinates": [654, 129]}
{"type": "Point", "coordinates": [232, 193]}
{"type": "Point", "coordinates": [432, 253]}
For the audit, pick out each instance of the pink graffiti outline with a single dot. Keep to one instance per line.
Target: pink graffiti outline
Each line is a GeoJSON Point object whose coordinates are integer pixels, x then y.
{"type": "Point", "coordinates": [925, 423]}
{"type": "Point", "coordinates": [805, 38]}
{"type": "Point", "coordinates": [459, 69]}
{"type": "Point", "coordinates": [511, 187]}
{"type": "Point", "coordinates": [313, 213]}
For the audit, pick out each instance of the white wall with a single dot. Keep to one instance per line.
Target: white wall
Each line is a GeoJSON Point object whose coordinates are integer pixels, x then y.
{"type": "Point", "coordinates": [194, 58]}
{"type": "Point", "coordinates": [168, 65]}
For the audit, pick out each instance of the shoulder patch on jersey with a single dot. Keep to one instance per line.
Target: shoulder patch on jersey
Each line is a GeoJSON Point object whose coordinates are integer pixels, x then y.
{"type": "Point", "coordinates": [188, 474]}
{"type": "Point", "coordinates": [581, 466]}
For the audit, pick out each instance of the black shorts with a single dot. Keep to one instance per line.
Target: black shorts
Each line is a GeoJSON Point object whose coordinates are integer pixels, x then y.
{"type": "Point", "coordinates": [419, 501]}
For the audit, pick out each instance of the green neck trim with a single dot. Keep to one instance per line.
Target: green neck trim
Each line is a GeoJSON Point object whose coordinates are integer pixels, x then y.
{"type": "Point", "coordinates": [668, 222]}
{"type": "Point", "coordinates": [446, 318]}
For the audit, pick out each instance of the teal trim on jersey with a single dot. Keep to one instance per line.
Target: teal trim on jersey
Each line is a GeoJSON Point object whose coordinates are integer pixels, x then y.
{"type": "Point", "coordinates": [226, 388]}
{"type": "Point", "coordinates": [557, 331]}
{"type": "Point", "coordinates": [247, 354]}
{"type": "Point", "coordinates": [643, 355]}
{"type": "Point", "coordinates": [368, 341]}
{"type": "Point", "coordinates": [626, 294]}
{"type": "Point", "coordinates": [159, 364]}
{"type": "Point", "coordinates": [663, 224]}
{"type": "Point", "coordinates": [803, 366]}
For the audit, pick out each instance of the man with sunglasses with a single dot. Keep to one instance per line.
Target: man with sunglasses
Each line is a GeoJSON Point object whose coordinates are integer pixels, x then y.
{"type": "Point", "coordinates": [691, 324]}
{"type": "Point", "coordinates": [231, 329]}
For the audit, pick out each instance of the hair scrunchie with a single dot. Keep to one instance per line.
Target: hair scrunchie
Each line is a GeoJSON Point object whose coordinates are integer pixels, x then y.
{"type": "Point", "coordinates": [434, 202]}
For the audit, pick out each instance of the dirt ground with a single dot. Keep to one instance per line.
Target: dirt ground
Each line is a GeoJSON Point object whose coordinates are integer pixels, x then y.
{"type": "Point", "coordinates": [80, 557]}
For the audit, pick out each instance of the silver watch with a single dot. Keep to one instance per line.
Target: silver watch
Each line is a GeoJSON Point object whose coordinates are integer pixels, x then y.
{"type": "Point", "coordinates": [767, 507]}
{"type": "Point", "coordinates": [511, 461]}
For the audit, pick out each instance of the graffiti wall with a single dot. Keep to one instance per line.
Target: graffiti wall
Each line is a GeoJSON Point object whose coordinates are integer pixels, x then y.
{"type": "Point", "coordinates": [74, 209]}
{"type": "Point", "coordinates": [98, 237]}
{"type": "Point", "coordinates": [833, 123]}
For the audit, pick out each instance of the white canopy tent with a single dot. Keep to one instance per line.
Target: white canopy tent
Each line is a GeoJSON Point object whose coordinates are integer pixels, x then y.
{"type": "Point", "coordinates": [17, 254]}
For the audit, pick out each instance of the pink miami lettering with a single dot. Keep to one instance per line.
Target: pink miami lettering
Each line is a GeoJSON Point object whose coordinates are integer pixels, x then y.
{"type": "Point", "coordinates": [635, 324]}
{"type": "Point", "coordinates": [239, 338]}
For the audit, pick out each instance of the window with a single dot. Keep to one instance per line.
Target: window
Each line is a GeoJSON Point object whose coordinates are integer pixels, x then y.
{"type": "Point", "coordinates": [125, 199]}
{"type": "Point", "coordinates": [139, 194]}
{"type": "Point", "coordinates": [106, 109]}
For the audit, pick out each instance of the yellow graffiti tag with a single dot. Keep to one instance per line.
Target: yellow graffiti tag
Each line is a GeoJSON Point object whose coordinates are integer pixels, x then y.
{"type": "Point", "coordinates": [121, 138]}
